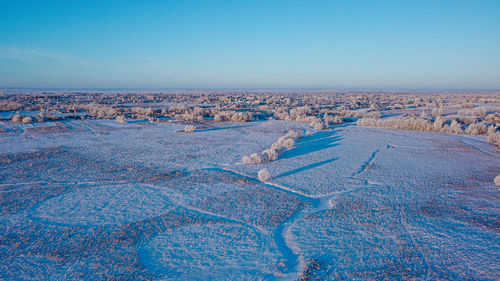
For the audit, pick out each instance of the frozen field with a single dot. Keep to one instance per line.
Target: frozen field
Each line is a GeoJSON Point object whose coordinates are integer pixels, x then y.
{"type": "Point", "coordinates": [95, 199]}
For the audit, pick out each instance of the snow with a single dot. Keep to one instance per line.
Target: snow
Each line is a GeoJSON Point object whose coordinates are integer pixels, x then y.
{"type": "Point", "coordinates": [103, 205]}
{"type": "Point", "coordinates": [95, 199]}
{"type": "Point", "coordinates": [209, 252]}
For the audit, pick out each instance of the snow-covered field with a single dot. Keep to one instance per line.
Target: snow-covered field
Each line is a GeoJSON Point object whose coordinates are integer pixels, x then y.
{"type": "Point", "coordinates": [95, 199]}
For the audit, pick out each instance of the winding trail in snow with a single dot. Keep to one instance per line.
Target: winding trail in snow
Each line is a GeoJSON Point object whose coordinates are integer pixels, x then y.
{"type": "Point", "coordinates": [85, 127]}
{"type": "Point", "coordinates": [271, 185]}
{"type": "Point", "coordinates": [294, 262]}
{"type": "Point", "coordinates": [322, 203]}
{"type": "Point", "coordinates": [256, 229]}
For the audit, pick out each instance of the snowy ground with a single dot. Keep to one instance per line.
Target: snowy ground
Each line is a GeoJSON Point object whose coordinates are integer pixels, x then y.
{"type": "Point", "coordinates": [102, 200]}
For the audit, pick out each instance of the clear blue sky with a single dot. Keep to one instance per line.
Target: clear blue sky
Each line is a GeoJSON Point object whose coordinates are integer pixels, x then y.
{"type": "Point", "coordinates": [250, 44]}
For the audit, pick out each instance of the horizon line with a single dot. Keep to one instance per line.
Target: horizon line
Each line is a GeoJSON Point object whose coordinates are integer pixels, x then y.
{"type": "Point", "coordinates": [110, 89]}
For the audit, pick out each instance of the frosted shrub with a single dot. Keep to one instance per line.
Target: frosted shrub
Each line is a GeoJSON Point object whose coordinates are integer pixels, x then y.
{"type": "Point", "coordinates": [478, 111]}
{"type": "Point", "coordinates": [27, 120]}
{"type": "Point", "coordinates": [373, 114]}
{"type": "Point", "coordinates": [491, 130]}
{"type": "Point", "coordinates": [218, 118]}
{"type": "Point", "coordinates": [396, 123]}
{"type": "Point", "coordinates": [337, 120]}
{"type": "Point", "coordinates": [189, 117]}
{"type": "Point", "coordinates": [269, 155]}
{"type": "Point", "coordinates": [437, 111]}
{"type": "Point", "coordinates": [476, 129]}
{"type": "Point", "coordinates": [455, 127]}
{"type": "Point", "coordinates": [198, 111]}
{"type": "Point", "coordinates": [467, 119]}
{"type": "Point", "coordinates": [497, 180]}
{"type": "Point", "coordinates": [178, 108]}
{"type": "Point", "coordinates": [318, 125]}
{"type": "Point", "coordinates": [285, 142]}
{"type": "Point", "coordinates": [293, 135]}
{"type": "Point", "coordinates": [255, 158]}
{"type": "Point", "coordinates": [438, 124]}
{"type": "Point", "coordinates": [242, 117]}
{"type": "Point", "coordinates": [120, 119]}
{"type": "Point", "coordinates": [246, 160]}
{"type": "Point", "coordinates": [189, 129]}
{"type": "Point", "coordinates": [494, 138]}
{"type": "Point", "coordinates": [330, 120]}
{"type": "Point", "coordinates": [263, 175]}
{"type": "Point", "coordinates": [17, 118]}
{"type": "Point", "coordinates": [9, 105]}
{"type": "Point", "coordinates": [302, 110]}
{"type": "Point", "coordinates": [289, 143]}
{"type": "Point", "coordinates": [490, 118]}
{"type": "Point", "coordinates": [415, 124]}
{"type": "Point", "coordinates": [276, 146]}
{"type": "Point", "coordinates": [148, 111]}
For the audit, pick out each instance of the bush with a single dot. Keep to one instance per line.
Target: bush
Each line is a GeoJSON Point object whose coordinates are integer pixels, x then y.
{"type": "Point", "coordinates": [418, 124]}
{"type": "Point", "coordinates": [494, 139]}
{"type": "Point", "coordinates": [318, 125]}
{"type": "Point", "coordinates": [120, 119]}
{"type": "Point", "coordinates": [455, 127]}
{"type": "Point", "coordinates": [263, 175]}
{"type": "Point", "coordinates": [476, 129]}
{"type": "Point", "coordinates": [497, 180]}
{"type": "Point", "coordinates": [10, 106]}
{"type": "Point", "coordinates": [256, 159]}
{"type": "Point", "coordinates": [289, 143]}
{"type": "Point", "coordinates": [17, 118]}
{"type": "Point", "coordinates": [189, 129]}
{"type": "Point", "coordinates": [269, 155]}
{"type": "Point", "coordinates": [398, 123]}
{"type": "Point", "coordinates": [246, 160]}
{"type": "Point", "coordinates": [373, 114]}
{"type": "Point", "coordinates": [27, 120]}
{"type": "Point", "coordinates": [285, 142]}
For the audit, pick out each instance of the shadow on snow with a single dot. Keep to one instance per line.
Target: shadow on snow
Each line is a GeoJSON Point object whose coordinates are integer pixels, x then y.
{"type": "Point", "coordinates": [309, 144]}
{"type": "Point", "coordinates": [305, 168]}
{"type": "Point", "coordinates": [221, 128]}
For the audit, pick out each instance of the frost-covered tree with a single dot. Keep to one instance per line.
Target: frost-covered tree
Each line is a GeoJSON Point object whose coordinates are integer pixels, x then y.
{"type": "Point", "coordinates": [218, 118]}
{"type": "Point", "coordinates": [189, 129]}
{"type": "Point", "coordinates": [476, 129]}
{"type": "Point", "coordinates": [246, 160]}
{"type": "Point", "coordinates": [455, 127]}
{"type": "Point", "coordinates": [438, 123]}
{"type": "Point", "coordinates": [256, 159]}
{"type": "Point", "coordinates": [120, 119]}
{"type": "Point", "coordinates": [289, 143]}
{"type": "Point", "coordinates": [17, 118]}
{"type": "Point", "coordinates": [318, 125]}
{"type": "Point", "coordinates": [263, 174]}
{"type": "Point", "coordinates": [373, 114]}
{"type": "Point", "coordinates": [269, 155]}
{"type": "Point", "coordinates": [27, 120]}
{"type": "Point", "coordinates": [497, 180]}
{"type": "Point", "coordinates": [494, 138]}
{"type": "Point", "coordinates": [285, 142]}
